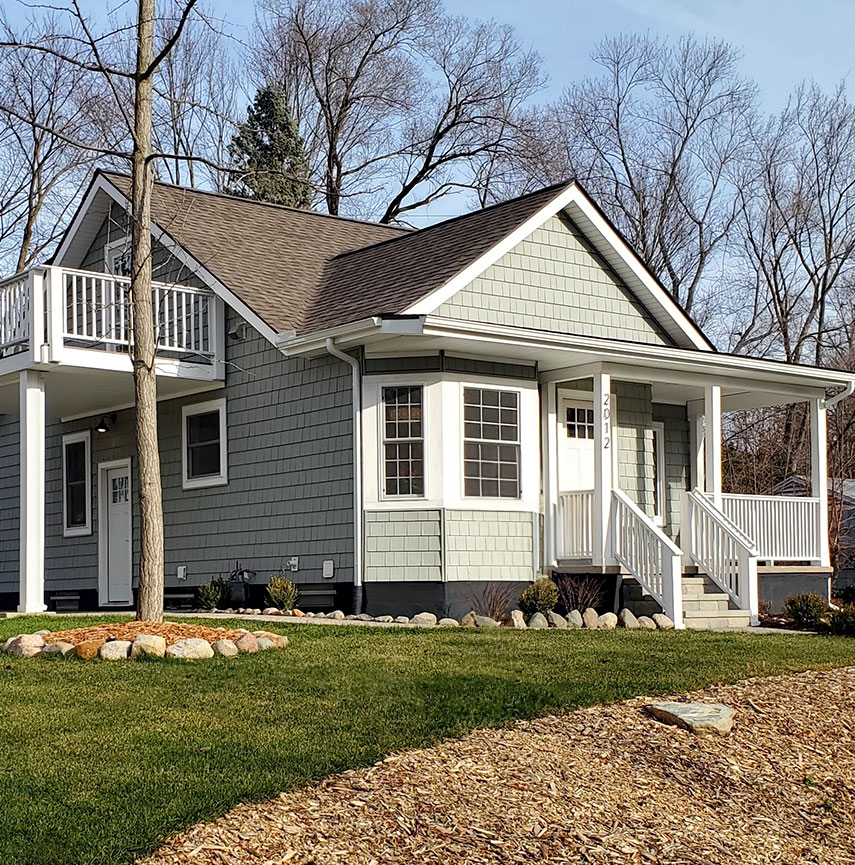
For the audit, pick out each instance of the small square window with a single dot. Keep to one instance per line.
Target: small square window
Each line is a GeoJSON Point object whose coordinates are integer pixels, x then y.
{"type": "Point", "coordinates": [204, 444]}
{"type": "Point", "coordinates": [579, 423]}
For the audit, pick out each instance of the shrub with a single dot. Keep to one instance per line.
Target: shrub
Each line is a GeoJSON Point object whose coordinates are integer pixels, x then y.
{"type": "Point", "coordinates": [540, 597]}
{"type": "Point", "coordinates": [843, 621]}
{"type": "Point", "coordinates": [492, 600]}
{"type": "Point", "coordinates": [580, 592]}
{"type": "Point", "coordinates": [214, 594]}
{"type": "Point", "coordinates": [846, 595]}
{"type": "Point", "coordinates": [806, 610]}
{"type": "Point", "coordinates": [281, 592]}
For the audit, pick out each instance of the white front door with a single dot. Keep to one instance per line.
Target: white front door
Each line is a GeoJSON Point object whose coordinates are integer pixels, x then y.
{"type": "Point", "coordinates": [115, 535]}
{"type": "Point", "coordinates": [575, 445]}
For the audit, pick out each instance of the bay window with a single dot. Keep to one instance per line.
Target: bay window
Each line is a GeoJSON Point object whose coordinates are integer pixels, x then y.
{"type": "Point", "coordinates": [491, 443]}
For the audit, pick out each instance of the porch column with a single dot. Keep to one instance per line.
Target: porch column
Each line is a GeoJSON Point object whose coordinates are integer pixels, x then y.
{"type": "Point", "coordinates": [32, 502]}
{"type": "Point", "coordinates": [697, 474]}
{"type": "Point", "coordinates": [549, 456]}
{"type": "Point", "coordinates": [819, 475]}
{"type": "Point", "coordinates": [712, 442]}
{"type": "Point", "coordinates": [603, 481]}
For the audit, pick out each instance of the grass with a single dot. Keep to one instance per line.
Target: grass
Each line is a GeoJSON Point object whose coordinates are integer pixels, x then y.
{"type": "Point", "coordinates": [99, 762]}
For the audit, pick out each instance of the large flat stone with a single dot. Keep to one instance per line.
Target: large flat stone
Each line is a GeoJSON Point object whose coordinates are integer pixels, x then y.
{"type": "Point", "coordinates": [699, 718]}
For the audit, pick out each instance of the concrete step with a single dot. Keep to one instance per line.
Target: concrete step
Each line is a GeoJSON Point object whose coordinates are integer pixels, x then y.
{"type": "Point", "coordinates": [706, 623]}
{"type": "Point", "coordinates": [697, 605]}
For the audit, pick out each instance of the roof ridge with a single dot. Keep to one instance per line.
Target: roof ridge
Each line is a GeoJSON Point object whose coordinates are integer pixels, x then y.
{"type": "Point", "coordinates": [405, 231]}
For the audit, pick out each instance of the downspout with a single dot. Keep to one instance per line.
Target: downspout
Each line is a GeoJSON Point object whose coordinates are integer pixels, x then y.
{"type": "Point", "coordinates": [356, 400]}
{"type": "Point", "coordinates": [838, 397]}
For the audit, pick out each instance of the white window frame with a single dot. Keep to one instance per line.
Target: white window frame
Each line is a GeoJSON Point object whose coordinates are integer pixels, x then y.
{"type": "Point", "coordinates": [84, 436]}
{"type": "Point", "coordinates": [382, 441]}
{"type": "Point", "coordinates": [197, 408]}
{"type": "Point", "coordinates": [660, 490]}
{"type": "Point", "coordinates": [121, 243]}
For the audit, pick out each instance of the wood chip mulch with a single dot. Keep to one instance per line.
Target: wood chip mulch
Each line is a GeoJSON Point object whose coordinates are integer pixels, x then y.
{"type": "Point", "coordinates": [599, 785]}
{"type": "Point", "coordinates": [171, 631]}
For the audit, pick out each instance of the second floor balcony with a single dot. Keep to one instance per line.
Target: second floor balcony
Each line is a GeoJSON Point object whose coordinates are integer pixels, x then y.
{"type": "Point", "coordinates": [56, 315]}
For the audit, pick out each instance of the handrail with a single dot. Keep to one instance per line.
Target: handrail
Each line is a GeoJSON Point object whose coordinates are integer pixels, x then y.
{"type": "Point", "coordinates": [648, 554]}
{"type": "Point", "coordinates": [723, 551]}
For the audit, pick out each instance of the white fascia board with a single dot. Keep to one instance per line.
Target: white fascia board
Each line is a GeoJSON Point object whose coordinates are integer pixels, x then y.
{"type": "Point", "coordinates": [345, 334]}
{"type": "Point", "coordinates": [196, 267]}
{"type": "Point", "coordinates": [98, 185]}
{"type": "Point", "coordinates": [653, 356]}
{"type": "Point", "coordinates": [571, 196]}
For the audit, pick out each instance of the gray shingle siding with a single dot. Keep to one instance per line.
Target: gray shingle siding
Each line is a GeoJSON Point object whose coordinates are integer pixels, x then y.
{"type": "Point", "coordinates": [9, 504]}
{"type": "Point", "coordinates": [403, 546]}
{"type": "Point", "coordinates": [677, 455]}
{"type": "Point", "coordinates": [635, 442]}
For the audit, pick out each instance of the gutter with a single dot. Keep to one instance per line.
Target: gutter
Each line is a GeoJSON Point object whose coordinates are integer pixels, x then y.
{"type": "Point", "coordinates": [838, 397]}
{"type": "Point", "coordinates": [356, 400]}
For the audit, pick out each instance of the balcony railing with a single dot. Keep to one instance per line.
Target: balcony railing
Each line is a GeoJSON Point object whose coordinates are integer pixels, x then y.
{"type": "Point", "coordinates": [69, 311]}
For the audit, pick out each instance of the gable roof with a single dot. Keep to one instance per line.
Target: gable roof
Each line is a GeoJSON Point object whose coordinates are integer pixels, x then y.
{"type": "Point", "coordinates": [302, 272]}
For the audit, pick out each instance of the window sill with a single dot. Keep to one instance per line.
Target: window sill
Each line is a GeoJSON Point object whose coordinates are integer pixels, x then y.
{"type": "Point", "coordinates": [77, 532]}
{"type": "Point", "coordinates": [203, 483]}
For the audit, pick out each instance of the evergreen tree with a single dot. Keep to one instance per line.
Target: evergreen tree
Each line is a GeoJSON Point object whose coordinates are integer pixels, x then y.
{"type": "Point", "coordinates": [268, 157]}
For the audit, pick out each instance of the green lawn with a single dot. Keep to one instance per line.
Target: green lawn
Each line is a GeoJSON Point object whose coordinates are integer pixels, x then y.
{"type": "Point", "coordinates": [99, 762]}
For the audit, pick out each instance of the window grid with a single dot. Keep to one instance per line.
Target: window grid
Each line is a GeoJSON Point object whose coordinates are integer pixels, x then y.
{"type": "Point", "coordinates": [75, 485]}
{"type": "Point", "coordinates": [580, 423]}
{"type": "Point", "coordinates": [491, 451]}
{"type": "Point", "coordinates": [403, 441]}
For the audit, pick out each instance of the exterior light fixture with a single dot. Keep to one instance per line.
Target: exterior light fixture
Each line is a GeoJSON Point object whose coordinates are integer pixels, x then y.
{"type": "Point", "coordinates": [106, 423]}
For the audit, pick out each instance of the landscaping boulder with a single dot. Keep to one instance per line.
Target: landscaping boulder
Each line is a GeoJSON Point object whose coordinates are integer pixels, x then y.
{"type": "Point", "coordinates": [58, 650]}
{"type": "Point", "coordinates": [556, 620]}
{"type": "Point", "coordinates": [26, 645]}
{"type": "Point", "coordinates": [423, 619]}
{"type": "Point", "coordinates": [265, 643]}
{"type": "Point", "coordinates": [300, 614]}
{"type": "Point", "coordinates": [336, 614]}
{"type": "Point", "coordinates": [628, 619]}
{"type": "Point", "coordinates": [485, 622]}
{"type": "Point", "coordinates": [518, 620]}
{"type": "Point", "coordinates": [699, 718]}
{"type": "Point", "coordinates": [226, 648]}
{"type": "Point", "coordinates": [88, 649]}
{"type": "Point", "coordinates": [272, 611]}
{"type": "Point", "coordinates": [607, 622]}
{"type": "Point", "coordinates": [663, 622]}
{"type": "Point", "coordinates": [448, 623]}
{"type": "Point", "coordinates": [115, 650]}
{"type": "Point", "coordinates": [646, 623]}
{"type": "Point", "coordinates": [468, 621]}
{"type": "Point", "coordinates": [574, 619]}
{"type": "Point", "coordinates": [402, 620]}
{"type": "Point", "coordinates": [591, 619]}
{"type": "Point", "coordinates": [278, 640]}
{"type": "Point", "coordinates": [538, 621]}
{"type": "Point", "coordinates": [384, 619]}
{"type": "Point", "coordinates": [364, 617]}
{"type": "Point", "coordinates": [150, 645]}
{"type": "Point", "coordinates": [192, 649]}
{"type": "Point", "coordinates": [247, 643]}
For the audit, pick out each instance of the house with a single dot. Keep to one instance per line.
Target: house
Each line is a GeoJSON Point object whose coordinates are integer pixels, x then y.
{"type": "Point", "coordinates": [398, 418]}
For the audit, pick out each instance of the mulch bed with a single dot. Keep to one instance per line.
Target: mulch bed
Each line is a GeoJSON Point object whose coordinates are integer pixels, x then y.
{"type": "Point", "coordinates": [171, 631]}
{"type": "Point", "coordinates": [600, 785]}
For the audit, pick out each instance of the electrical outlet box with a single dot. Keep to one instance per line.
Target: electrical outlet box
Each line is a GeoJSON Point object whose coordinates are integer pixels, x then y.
{"type": "Point", "coordinates": [328, 569]}
{"type": "Point", "coordinates": [293, 563]}
{"type": "Point", "coordinates": [182, 572]}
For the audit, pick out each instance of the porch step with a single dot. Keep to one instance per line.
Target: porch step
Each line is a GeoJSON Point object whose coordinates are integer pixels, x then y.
{"type": "Point", "coordinates": [716, 620]}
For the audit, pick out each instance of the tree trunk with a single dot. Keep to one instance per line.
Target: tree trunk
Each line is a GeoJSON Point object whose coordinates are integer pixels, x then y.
{"type": "Point", "coordinates": [150, 600]}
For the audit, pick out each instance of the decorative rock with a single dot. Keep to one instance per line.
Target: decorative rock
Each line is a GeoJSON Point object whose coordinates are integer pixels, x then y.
{"type": "Point", "coordinates": [8, 642]}
{"type": "Point", "coordinates": [574, 620]}
{"type": "Point", "coordinates": [608, 621]}
{"type": "Point", "coordinates": [298, 613]}
{"type": "Point", "coordinates": [628, 620]}
{"type": "Point", "coordinates": [264, 644]}
{"type": "Point", "coordinates": [272, 611]}
{"type": "Point", "coordinates": [115, 650]}
{"type": "Point", "coordinates": [384, 618]}
{"type": "Point", "coordinates": [647, 623]}
{"type": "Point", "coordinates": [351, 618]}
{"type": "Point", "coordinates": [26, 645]}
{"type": "Point", "coordinates": [310, 615]}
{"type": "Point", "coordinates": [538, 621]}
{"type": "Point", "coordinates": [518, 620]}
{"type": "Point", "coordinates": [448, 623]}
{"type": "Point", "coordinates": [336, 614]}
{"type": "Point", "coordinates": [43, 632]}
{"type": "Point", "coordinates": [698, 718]}
{"type": "Point", "coordinates": [88, 649]}
{"type": "Point", "coordinates": [226, 648]}
{"type": "Point", "coordinates": [191, 649]}
{"type": "Point", "coordinates": [485, 622]}
{"type": "Point", "coordinates": [60, 649]}
{"type": "Point", "coordinates": [556, 620]}
{"type": "Point", "coordinates": [148, 644]}
{"type": "Point", "coordinates": [247, 643]}
{"type": "Point", "coordinates": [423, 619]}
{"type": "Point", "coordinates": [402, 620]}
{"type": "Point", "coordinates": [278, 640]}
{"type": "Point", "coordinates": [590, 619]}
{"type": "Point", "coordinates": [468, 621]}
{"type": "Point", "coordinates": [364, 617]}
{"type": "Point", "coordinates": [663, 622]}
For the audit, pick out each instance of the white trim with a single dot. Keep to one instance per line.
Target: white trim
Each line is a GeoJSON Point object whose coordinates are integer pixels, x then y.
{"type": "Point", "coordinates": [122, 243]}
{"type": "Point", "coordinates": [222, 477]}
{"type": "Point", "coordinates": [31, 393]}
{"type": "Point", "coordinates": [103, 533]}
{"type": "Point", "coordinates": [84, 436]}
{"type": "Point", "coordinates": [124, 406]}
{"type": "Point", "coordinates": [660, 491]}
{"type": "Point", "coordinates": [571, 195]}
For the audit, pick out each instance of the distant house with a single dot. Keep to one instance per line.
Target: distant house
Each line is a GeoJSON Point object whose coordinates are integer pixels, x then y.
{"type": "Point", "coordinates": [398, 418]}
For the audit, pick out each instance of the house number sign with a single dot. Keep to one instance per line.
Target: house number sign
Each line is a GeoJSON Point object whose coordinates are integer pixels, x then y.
{"type": "Point", "coordinates": [607, 420]}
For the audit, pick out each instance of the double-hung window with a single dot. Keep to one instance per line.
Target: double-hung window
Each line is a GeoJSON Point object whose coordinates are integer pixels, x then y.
{"type": "Point", "coordinates": [204, 444]}
{"type": "Point", "coordinates": [403, 441]}
{"type": "Point", "coordinates": [491, 443]}
{"type": "Point", "coordinates": [76, 484]}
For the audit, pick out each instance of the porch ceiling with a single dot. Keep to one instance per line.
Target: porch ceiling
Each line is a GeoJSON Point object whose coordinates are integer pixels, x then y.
{"type": "Point", "coordinates": [74, 392]}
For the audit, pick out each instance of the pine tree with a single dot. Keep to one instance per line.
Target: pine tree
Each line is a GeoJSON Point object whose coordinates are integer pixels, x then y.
{"type": "Point", "coordinates": [268, 156]}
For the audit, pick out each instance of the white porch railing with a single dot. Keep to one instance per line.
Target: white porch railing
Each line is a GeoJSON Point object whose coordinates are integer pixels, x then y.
{"type": "Point", "coordinates": [648, 554]}
{"type": "Point", "coordinates": [14, 314]}
{"type": "Point", "coordinates": [722, 550]}
{"type": "Point", "coordinates": [576, 524]}
{"type": "Point", "coordinates": [782, 528]}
